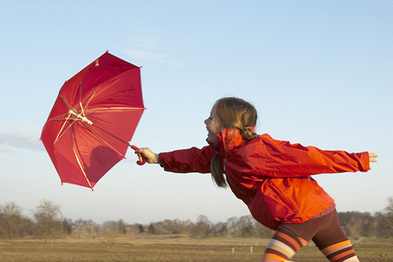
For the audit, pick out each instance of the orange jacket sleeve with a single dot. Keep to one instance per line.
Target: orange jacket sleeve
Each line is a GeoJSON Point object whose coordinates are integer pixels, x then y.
{"type": "Point", "coordinates": [188, 160]}
{"type": "Point", "coordinates": [276, 158]}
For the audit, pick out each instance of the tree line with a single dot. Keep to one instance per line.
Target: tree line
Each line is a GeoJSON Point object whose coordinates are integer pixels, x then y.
{"type": "Point", "coordinates": [48, 223]}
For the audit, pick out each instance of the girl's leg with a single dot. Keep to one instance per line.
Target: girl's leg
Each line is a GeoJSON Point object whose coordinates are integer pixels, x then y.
{"type": "Point", "coordinates": [333, 242]}
{"type": "Point", "coordinates": [283, 245]}
{"type": "Point", "coordinates": [340, 252]}
{"type": "Point", "coordinates": [326, 233]}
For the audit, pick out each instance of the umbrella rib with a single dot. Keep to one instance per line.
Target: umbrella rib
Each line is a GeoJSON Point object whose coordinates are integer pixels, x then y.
{"type": "Point", "coordinates": [99, 137]}
{"type": "Point", "coordinates": [103, 83]}
{"type": "Point", "coordinates": [114, 108]}
{"type": "Point", "coordinates": [61, 133]}
{"type": "Point", "coordinates": [63, 130]}
{"type": "Point", "coordinates": [79, 163]}
{"type": "Point", "coordinates": [89, 100]}
{"type": "Point", "coordinates": [80, 83]}
{"type": "Point", "coordinates": [83, 108]}
{"type": "Point", "coordinates": [72, 111]}
{"type": "Point", "coordinates": [65, 102]}
{"type": "Point", "coordinates": [116, 77]}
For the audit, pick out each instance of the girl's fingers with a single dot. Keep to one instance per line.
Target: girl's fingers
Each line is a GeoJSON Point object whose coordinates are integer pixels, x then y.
{"type": "Point", "coordinates": [373, 157]}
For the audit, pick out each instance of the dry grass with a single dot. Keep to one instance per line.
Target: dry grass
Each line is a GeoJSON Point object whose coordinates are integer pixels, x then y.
{"type": "Point", "coordinates": [169, 248]}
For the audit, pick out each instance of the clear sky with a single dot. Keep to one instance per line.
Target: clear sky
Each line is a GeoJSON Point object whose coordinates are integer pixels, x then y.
{"type": "Point", "coordinates": [319, 73]}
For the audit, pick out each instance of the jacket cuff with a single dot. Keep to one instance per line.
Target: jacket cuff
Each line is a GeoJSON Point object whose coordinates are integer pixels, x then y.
{"type": "Point", "coordinates": [364, 162]}
{"type": "Point", "coordinates": [162, 161]}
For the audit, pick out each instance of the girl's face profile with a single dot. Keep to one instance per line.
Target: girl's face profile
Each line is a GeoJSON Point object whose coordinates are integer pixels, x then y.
{"type": "Point", "coordinates": [212, 126]}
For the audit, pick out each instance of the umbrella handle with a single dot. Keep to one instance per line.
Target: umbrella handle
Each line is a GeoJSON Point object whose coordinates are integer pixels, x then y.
{"type": "Point", "coordinates": [138, 162]}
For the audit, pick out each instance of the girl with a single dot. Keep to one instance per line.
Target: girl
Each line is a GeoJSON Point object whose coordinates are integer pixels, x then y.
{"type": "Point", "coordinates": [273, 178]}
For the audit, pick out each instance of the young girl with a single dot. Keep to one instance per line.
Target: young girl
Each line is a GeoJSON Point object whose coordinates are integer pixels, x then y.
{"type": "Point", "coordinates": [273, 178]}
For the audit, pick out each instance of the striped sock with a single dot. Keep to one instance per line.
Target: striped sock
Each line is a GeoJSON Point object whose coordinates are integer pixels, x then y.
{"type": "Point", "coordinates": [340, 252]}
{"type": "Point", "coordinates": [282, 246]}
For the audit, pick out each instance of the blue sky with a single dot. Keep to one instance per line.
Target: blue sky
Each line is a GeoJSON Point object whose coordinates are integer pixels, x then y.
{"type": "Point", "coordinates": [319, 73]}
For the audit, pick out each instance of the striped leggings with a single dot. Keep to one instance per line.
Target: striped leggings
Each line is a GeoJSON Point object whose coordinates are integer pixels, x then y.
{"type": "Point", "coordinates": [326, 233]}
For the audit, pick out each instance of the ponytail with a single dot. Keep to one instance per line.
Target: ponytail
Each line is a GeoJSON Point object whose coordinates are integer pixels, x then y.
{"type": "Point", "coordinates": [248, 133]}
{"type": "Point", "coordinates": [215, 166]}
{"type": "Point", "coordinates": [236, 113]}
{"type": "Point", "coordinates": [217, 172]}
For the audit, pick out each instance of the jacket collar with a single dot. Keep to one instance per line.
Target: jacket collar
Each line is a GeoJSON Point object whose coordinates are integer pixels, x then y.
{"type": "Point", "coordinates": [230, 138]}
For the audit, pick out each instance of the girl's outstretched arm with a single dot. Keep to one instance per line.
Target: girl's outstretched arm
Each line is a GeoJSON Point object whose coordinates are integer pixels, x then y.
{"type": "Point", "coordinates": [373, 157]}
{"type": "Point", "coordinates": [275, 158]}
{"type": "Point", "coordinates": [179, 161]}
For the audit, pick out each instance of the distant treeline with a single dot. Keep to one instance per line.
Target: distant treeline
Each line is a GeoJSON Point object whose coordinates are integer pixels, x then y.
{"type": "Point", "coordinates": [48, 223]}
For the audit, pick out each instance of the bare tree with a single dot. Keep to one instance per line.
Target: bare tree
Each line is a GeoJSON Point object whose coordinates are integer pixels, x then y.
{"type": "Point", "coordinates": [122, 226]}
{"type": "Point", "coordinates": [202, 227]}
{"type": "Point", "coordinates": [85, 228]}
{"type": "Point", "coordinates": [151, 229]}
{"type": "Point", "coordinates": [220, 229]}
{"type": "Point", "coordinates": [67, 225]}
{"type": "Point", "coordinates": [389, 216]}
{"type": "Point", "coordinates": [133, 229]}
{"type": "Point", "coordinates": [11, 222]}
{"type": "Point", "coordinates": [233, 225]}
{"type": "Point", "coordinates": [47, 216]}
{"type": "Point", "coordinates": [262, 231]}
{"type": "Point", "coordinates": [110, 228]}
{"type": "Point", "coordinates": [357, 224]}
{"type": "Point", "coordinates": [382, 229]}
{"type": "Point", "coordinates": [141, 229]}
{"type": "Point", "coordinates": [246, 226]}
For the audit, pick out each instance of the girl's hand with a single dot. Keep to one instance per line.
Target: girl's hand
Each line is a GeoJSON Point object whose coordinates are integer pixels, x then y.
{"type": "Point", "coordinates": [373, 157]}
{"type": "Point", "coordinates": [145, 153]}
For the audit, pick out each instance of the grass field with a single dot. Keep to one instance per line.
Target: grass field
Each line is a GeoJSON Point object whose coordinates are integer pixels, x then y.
{"type": "Point", "coordinates": [169, 248]}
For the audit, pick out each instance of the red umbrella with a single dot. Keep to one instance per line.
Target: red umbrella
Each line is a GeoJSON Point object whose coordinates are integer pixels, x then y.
{"type": "Point", "coordinates": [92, 120]}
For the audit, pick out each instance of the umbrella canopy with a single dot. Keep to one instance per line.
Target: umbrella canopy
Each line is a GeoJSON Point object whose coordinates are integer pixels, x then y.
{"type": "Point", "coordinates": [93, 119]}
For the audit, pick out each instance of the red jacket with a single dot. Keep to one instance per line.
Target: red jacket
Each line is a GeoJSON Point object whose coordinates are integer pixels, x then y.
{"type": "Point", "coordinates": [273, 178]}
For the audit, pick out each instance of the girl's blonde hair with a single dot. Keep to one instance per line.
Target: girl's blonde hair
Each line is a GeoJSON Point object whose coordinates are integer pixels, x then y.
{"type": "Point", "coordinates": [232, 112]}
